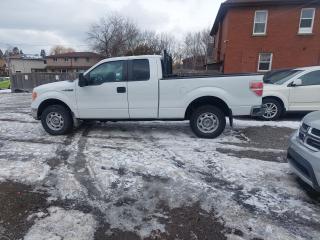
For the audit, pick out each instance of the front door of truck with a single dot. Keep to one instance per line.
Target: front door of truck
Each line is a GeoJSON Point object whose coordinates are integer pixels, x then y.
{"type": "Point", "coordinates": [106, 94]}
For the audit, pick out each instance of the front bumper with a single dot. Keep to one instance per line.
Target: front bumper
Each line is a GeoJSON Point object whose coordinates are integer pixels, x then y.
{"type": "Point", "coordinates": [304, 163]}
{"type": "Point", "coordinates": [34, 113]}
{"type": "Point", "coordinates": [258, 111]}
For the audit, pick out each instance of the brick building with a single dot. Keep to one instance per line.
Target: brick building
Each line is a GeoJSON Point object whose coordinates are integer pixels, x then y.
{"type": "Point", "coordinates": [261, 35]}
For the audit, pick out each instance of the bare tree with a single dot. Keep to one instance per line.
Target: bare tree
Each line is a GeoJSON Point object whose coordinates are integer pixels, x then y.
{"type": "Point", "coordinates": [59, 49]}
{"type": "Point", "coordinates": [149, 42]}
{"type": "Point", "coordinates": [116, 36]}
{"type": "Point", "coordinates": [197, 47]}
{"type": "Point", "coordinates": [12, 51]}
{"type": "Point", "coordinates": [113, 36]}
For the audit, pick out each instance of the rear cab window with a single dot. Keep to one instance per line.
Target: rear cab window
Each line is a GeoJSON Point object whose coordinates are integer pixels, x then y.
{"type": "Point", "coordinates": [139, 70]}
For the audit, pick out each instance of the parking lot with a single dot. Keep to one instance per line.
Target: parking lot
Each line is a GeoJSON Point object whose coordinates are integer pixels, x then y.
{"type": "Point", "coordinates": [149, 180]}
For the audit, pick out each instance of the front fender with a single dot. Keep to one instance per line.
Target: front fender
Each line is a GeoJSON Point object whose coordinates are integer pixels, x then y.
{"type": "Point", "coordinates": [282, 97]}
{"type": "Point", "coordinates": [68, 100]}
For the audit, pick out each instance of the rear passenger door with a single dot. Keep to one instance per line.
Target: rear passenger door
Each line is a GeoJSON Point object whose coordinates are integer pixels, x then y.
{"type": "Point", "coordinates": [307, 96]}
{"type": "Point", "coordinates": [142, 89]}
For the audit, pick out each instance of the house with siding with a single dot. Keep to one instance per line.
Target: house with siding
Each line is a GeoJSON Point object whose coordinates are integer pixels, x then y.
{"type": "Point", "coordinates": [72, 62]}
{"type": "Point", "coordinates": [263, 35]}
{"type": "Point", "coordinates": [26, 64]}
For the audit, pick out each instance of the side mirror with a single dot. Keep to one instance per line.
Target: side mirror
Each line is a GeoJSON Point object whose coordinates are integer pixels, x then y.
{"type": "Point", "coordinates": [82, 80]}
{"type": "Point", "coordinates": [297, 82]}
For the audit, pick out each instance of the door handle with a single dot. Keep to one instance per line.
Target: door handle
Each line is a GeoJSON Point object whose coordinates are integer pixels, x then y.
{"type": "Point", "coordinates": [121, 90]}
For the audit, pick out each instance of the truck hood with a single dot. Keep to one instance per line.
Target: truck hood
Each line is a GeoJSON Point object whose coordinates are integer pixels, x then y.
{"type": "Point", "coordinates": [56, 86]}
{"type": "Point", "coordinates": [313, 120]}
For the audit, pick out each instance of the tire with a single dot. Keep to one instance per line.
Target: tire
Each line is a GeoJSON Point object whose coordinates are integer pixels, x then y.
{"type": "Point", "coordinates": [57, 120]}
{"type": "Point", "coordinates": [202, 122]}
{"type": "Point", "coordinates": [274, 109]}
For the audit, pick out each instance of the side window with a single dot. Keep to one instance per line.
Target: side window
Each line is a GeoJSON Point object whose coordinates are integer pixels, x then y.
{"type": "Point", "coordinates": [306, 20]}
{"type": "Point", "coordinates": [260, 22]}
{"type": "Point", "coordinates": [265, 62]}
{"type": "Point", "coordinates": [140, 70]}
{"type": "Point", "coordinates": [312, 78]}
{"type": "Point", "coordinates": [107, 72]}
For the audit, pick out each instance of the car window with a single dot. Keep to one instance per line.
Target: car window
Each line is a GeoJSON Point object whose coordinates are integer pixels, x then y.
{"type": "Point", "coordinates": [140, 70]}
{"type": "Point", "coordinates": [279, 77]}
{"type": "Point", "coordinates": [312, 78]}
{"type": "Point", "coordinates": [107, 72]}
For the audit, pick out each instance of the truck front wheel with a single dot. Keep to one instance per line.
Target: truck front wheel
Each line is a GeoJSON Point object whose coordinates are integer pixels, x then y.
{"type": "Point", "coordinates": [208, 122]}
{"type": "Point", "coordinates": [57, 120]}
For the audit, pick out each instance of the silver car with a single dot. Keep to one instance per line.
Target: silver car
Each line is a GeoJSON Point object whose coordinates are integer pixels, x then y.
{"type": "Point", "coordinates": [304, 151]}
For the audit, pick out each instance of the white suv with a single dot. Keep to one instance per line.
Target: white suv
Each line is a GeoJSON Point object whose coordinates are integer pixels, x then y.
{"type": "Point", "coordinates": [291, 90]}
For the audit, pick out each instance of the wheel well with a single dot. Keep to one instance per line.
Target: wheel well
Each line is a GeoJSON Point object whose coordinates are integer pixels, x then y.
{"type": "Point", "coordinates": [50, 102]}
{"type": "Point", "coordinates": [214, 101]}
{"type": "Point", "coordinates": [278, 99]}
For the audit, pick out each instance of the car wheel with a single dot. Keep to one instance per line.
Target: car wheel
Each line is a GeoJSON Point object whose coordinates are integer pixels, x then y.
{"type": "Point", "coordinates": [274, 109]}
{"type": "Point", "coordinates": [208, 122]}
{"type": "Point", "coordinates": [57, 120]}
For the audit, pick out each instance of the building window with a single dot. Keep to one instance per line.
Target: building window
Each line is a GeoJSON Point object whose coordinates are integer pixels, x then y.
{"type": "Point", "coordinates": [306, 20]}
{"type": "Point", "coordinates": [260, 22]}
{"type": "Point", "coordinates": [265, 62]}
{"type": "Point", "coordinates": [88, 59]}
{"type": "Point", "coordinates": [75, 59]}
{"type": "Point", "coordinates": [66, 59]}
{"type": "Point", "coordinates": [55, 59]}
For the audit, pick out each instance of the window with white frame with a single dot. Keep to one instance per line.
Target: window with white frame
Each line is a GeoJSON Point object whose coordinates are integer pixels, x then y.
{"type": "Point", "coordinates": [265, 62]}
{"type": "Point", "coordinates": [306, 20]}
{"type": "Point", "coordinates": [260, 22]}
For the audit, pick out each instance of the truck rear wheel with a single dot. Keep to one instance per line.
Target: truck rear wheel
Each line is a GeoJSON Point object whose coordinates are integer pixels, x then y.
{"type": "Point", "coordinates": [208, 122]}
{"type": "Point", "coordinates": [57, 120]}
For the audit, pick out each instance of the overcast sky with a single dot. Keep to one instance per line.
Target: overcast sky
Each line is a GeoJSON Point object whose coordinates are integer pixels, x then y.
{"type": "Point", "coordinates": [33, 25]}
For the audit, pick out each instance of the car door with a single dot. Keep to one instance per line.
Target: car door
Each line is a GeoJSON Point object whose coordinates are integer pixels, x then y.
{"type": "Point", "coordinates": [105, 96]}
{"type": "Point", "coordinates": [306, 97]}
{"type": "Point", "coordinates": [143, 89]}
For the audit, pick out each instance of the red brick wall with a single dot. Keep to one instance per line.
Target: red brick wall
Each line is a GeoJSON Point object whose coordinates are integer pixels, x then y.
{"type": "Point", "coordinates": [289, 49]}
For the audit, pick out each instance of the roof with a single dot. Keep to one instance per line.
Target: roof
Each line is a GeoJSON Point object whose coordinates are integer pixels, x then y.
{"type": "Point", "coordinates": [26, 57]}
{"type": "Point", "coordinates": [308, 68]}
{"type": "Point", "coordinates": [224, 7]}
{"type": "Point", "coordinates": [76, 55]}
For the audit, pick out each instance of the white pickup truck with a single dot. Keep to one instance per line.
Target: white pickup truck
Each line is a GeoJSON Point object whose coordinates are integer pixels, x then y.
{"type": "Point", "coordinates": [143, 88]}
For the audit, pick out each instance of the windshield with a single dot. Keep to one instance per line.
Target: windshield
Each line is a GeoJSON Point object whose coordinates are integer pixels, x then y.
{"type": "Point", "coordinates": [280, 77]}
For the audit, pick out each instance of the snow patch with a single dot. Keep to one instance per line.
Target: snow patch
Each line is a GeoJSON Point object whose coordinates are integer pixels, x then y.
{"type": "Point", "coordinates": [63, 224]}
{"type": "Point", "coordinates": [254, 123]}
{"type": "Point", "coordinates": [5, 91]}
{"type": "Point", "coordinates": [25, 172]}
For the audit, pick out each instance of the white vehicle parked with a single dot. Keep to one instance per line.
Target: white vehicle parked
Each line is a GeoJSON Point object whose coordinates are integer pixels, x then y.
{"type": "Point", "coordinates": [291, 90]}
{"type": "Point", "coordinates": [143, 88]}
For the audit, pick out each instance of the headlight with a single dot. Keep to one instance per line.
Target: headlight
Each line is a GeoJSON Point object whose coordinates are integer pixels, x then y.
{"type": "Point", "coordinates": [34, 96]}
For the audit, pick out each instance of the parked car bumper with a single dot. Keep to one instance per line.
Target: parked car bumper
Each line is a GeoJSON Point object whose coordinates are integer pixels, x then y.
{"type": "Point", "coordinates": [258, 111]}
{"type": "Point", "coordinates": [304, 162]}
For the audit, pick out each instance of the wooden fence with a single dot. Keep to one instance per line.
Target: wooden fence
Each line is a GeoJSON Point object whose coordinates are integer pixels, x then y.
{"type": "Point", "coordinates": [26, 82]}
